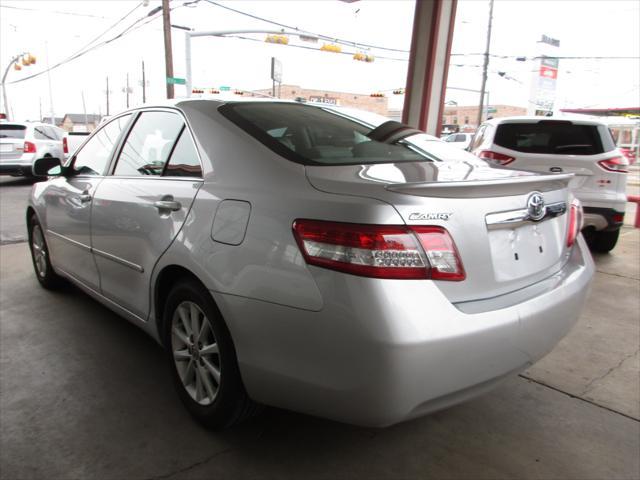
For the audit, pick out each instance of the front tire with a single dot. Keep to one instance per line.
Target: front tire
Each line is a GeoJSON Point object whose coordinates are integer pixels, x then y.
{"type": "Point", "coordinates": [40, 256]}
{"type": "Point", "coordinates": [202, 358]}
{"type": "Point", "coordinates": [604, 241]}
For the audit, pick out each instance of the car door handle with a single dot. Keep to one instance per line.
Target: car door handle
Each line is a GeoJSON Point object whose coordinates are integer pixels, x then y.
{"type": "Point", "coordinates": [85, 197]}
{"type": "Point", "coordinates": [167, 205]}
{"type": "Point", "coordinates": [555, 169]}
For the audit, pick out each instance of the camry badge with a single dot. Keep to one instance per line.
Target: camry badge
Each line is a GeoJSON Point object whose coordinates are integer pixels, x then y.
{"type": "Point", "coordinates": [430, 216]}
{"type": "Point", "coordinates": [536, 208]}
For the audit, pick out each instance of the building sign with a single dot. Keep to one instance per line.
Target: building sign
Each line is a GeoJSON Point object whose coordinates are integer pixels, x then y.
{"type": "Point", "coordinates": [544, 79]}
{"type": "Point", "coordinates": [550, 41]}
{"type": "Point", "coordinates": [324, 100]}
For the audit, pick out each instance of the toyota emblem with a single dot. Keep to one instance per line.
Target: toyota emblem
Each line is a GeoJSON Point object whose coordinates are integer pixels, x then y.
{"type": "Point", "coordinates": [536, 208]}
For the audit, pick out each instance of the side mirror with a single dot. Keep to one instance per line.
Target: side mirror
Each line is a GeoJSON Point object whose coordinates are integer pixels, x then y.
{"type": "Point", "coordinates": [47, 167]}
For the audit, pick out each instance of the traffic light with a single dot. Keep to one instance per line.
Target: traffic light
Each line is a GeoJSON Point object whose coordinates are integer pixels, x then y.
{"type": "Point", "coordinates": [239, 92]}
{"type": "Point", "coordinates": [197, 90]}
{"type": "Point", "coordinates": [281, 39]}
{"type": "Point", "coordinates": [331, 47]}
{"type": "Point", "coordinates": [16, 66]}
{"type": "Point", "coordinates": [378, 94]}
{"type": "Point", "coordinates": [363, 57]}
{"type": "Point", "coordinates": [214, 91]}
{"type": "Point", "coordinates": [398, 91]}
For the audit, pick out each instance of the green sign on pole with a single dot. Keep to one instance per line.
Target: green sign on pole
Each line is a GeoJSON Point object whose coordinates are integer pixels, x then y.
{"type": "Point", "coordinates": [176, 81]}
{"type": "Point", "coordinates": [225, 88]}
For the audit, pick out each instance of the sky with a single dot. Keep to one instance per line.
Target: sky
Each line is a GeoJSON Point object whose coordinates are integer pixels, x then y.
{"type": "Point", "coordinates": [54, 30]}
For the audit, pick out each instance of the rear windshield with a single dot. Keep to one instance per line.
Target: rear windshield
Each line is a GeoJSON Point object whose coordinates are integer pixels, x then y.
{"type": "Point", "coordinates": [550, 137]}
{"type": "Point", "coordinates": [318, 136]}
{"type": "Point", "coordinates": [12, 131]}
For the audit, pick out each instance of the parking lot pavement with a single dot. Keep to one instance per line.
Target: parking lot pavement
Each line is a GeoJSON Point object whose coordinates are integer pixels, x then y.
{"type": "Point", "coordinates": [84, 393]}
{"type": "Point", "coordinates": [14, 192]}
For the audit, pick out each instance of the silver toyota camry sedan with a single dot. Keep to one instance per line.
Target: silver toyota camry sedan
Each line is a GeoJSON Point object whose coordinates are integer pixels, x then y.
{"type": "Point", "coordinates": [316, 259]}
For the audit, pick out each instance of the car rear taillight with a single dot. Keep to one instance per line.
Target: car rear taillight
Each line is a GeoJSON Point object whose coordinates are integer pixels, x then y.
{"type": "Point", "coordinates": [495, 157]}
{"type": "Point", "coordinates": [29, 147]}
{"type": "Point", "coordinates": [65, 145]}
{"type": "Point", "coordinates": [575, 222]}
{"type": "Point", "coordinates": [380, 251]}
{"type": "Point", "coordinates": [615, 164]}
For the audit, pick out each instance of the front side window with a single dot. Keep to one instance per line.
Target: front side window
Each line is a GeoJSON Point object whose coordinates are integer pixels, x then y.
{"type": "Point", "coordinates": [94, 156]}
{"type": "Point", "coordinates": [320, 136]}
{"type": "Point", "coordinates": [184, 160]}
{"type": "Point", "coordinates": [149, 144]}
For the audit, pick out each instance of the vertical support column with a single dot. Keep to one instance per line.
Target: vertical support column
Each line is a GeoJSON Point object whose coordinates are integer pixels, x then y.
{"type": "Point", "coordinates": [187, 60]}
{"type": "Point", "coordinates": [429, 64]}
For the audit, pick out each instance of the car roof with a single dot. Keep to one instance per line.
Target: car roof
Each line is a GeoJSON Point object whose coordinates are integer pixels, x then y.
{"type": "Point", "coordinates": [535, 119]}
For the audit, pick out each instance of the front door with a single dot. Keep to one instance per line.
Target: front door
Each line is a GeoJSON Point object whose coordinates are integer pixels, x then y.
{"type": "Point", "coordinates": [69, 200]}
{"type": "Point", "coordinates": [139, 209]}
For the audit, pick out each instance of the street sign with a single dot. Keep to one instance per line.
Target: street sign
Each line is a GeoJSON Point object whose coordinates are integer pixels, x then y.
{"type": "Point", "coordinates": [276, 70]}
{"type": "Point", "coordinates": [176, 81]}
{"type": "Point", "coordinates": [225, 88]}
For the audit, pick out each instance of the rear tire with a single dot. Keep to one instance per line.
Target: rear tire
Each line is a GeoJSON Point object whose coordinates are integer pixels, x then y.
{"type": "Point", "coordinates": [604, 241]}
{"type": "Point", "coordinates": [40, 256]}
{"type": "Point", "coordinates": [202, 358]}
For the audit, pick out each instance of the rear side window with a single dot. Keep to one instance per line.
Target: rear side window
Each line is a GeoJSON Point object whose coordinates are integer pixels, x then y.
{"type": "Point", "coordinates": [317, 136]}
{"type": "Point", "coordinates": [149, 144]}
{"type": "Point", "coordinates": [550, 137]}
{"type": "Point", "coordinates": [184, 160]}
{"type": "Point", "coordinates": [12, 131]}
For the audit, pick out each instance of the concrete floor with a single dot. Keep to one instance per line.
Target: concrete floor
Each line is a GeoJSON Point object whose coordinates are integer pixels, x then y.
{"type": "Point", "coordinates": [84, 394]}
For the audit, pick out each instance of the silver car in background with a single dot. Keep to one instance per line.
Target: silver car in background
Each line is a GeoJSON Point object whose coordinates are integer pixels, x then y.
{"type": "Point", "coordinates": [21, 144]}
{"type": "Point", "coordinates": [312, 258]}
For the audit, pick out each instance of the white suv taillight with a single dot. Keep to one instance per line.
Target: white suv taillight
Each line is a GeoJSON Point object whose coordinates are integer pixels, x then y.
{"type": "Point", "coordinates": [615, 164]}
{"type": "Point", "coordinates": [495, 157]}
{"type": "Point", "coordinates": [575, 222]}
{"type": "Point", "coordinates": [380, 251]}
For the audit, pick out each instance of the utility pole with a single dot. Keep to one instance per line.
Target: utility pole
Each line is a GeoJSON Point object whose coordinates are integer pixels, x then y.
{"type": "Point", "coordinates": [485, 66]}
{"type": "Point", "coordinates": [144, 85]}
{"type": "Point", "coordinates": [127, 90]}
{"type": "Point", "coordinates": [46, 51]}
{"type": "Point", "coordinates": [168, 54]}
{"type": "Point", "coordinates": [107, 92]}
{"type": "Point", "coordinates": [84, 109]}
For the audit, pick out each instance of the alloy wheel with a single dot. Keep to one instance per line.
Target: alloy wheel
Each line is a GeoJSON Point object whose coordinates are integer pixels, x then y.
{"type": "Point", "coordinates": [39, 251]}
{"type": "Point", "coordinates": [195, 352]}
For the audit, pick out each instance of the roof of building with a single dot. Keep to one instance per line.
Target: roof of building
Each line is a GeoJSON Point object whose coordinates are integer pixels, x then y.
{"type": "Point", "coordinates": [80, 117]}
{"type": "Point", "coordinates": [56, 120]}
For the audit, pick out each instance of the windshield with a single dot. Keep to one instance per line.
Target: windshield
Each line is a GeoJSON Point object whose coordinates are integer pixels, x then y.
{"type": "Point", "coordinates": [323, 136]}
{"type": "Point", "coordinates": [12, 131]}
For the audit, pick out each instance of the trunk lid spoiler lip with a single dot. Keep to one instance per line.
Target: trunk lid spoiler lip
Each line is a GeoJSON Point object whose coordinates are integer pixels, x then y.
{"type": "Point", "coordinates": [433, 188]}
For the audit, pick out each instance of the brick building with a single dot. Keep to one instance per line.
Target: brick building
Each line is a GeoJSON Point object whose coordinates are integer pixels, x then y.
{"type": "Point", "coordinates": [467, 116]}
{"type": "Point", "coordinates": [362, 101]}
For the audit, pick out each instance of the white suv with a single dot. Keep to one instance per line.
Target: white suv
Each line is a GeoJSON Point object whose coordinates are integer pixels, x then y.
{"type": "Point", "coordinates": [582, 147]}
{"type": "Point", "coordinates": [23, 143]}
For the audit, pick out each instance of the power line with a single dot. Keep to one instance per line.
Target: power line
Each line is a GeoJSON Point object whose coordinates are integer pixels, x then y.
{"type": "Point", "coordinates": [134, 26]}
{"type": "Point", "coordinates": [58, 12]}
{"type": "Point", "coordinates": [304, 32]}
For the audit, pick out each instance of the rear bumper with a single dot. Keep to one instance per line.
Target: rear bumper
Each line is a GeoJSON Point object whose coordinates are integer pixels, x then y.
{"type": "Point", "coordinates": [17, 166]}
{"type": "Point", "coordinates": [603, 218]}
{"type": "Point", "coordinates": [16, 169]}
{"type": "Point", "coordinates": [383, 351]}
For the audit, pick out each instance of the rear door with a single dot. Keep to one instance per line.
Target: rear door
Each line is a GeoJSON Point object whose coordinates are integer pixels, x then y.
{"type": "Point", "coordinates": [139, 209]}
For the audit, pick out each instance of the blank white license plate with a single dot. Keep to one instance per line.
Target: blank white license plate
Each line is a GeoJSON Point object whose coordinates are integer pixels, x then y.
{"type": "Point", "coordinates": [6, 147]}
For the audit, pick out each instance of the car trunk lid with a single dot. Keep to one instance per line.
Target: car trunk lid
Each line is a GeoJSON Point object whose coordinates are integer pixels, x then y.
{"type": "Point", "coordinates": [480, 206]}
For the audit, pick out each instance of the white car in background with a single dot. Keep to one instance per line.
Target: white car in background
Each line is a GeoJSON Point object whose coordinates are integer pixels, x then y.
{"type": "Point", "coordinates": [582, 147]}
{"type": "Point", "coordinates": [459, 140]}
{"type": "Point", "coordinates": [22, 143]}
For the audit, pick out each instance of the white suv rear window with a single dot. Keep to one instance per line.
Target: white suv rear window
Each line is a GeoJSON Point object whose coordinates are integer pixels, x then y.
{"type": "Point", "coordinates": [12, 131]}
{"type": "Point", "coordinates": [550, 137]}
